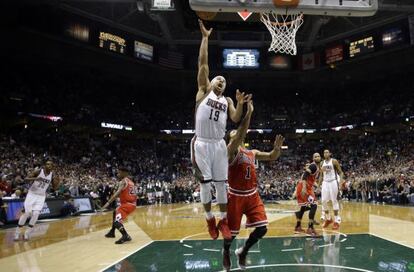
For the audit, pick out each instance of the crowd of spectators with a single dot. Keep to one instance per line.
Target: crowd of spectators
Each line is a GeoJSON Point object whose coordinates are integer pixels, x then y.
{"type": "Point", "coordinates": [378, 167]}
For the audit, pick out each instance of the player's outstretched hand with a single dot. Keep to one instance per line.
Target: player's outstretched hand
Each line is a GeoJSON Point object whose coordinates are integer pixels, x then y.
{"type": "Point", "coordinates": [206, 32]}
{"type": "Point", "coordinates": [242, 98]}
{"type": "Point", "coordinates": [279, 141]}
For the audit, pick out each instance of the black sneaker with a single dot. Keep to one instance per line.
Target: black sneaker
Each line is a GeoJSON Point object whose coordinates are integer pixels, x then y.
{"type": "Point", "coordinates": [110, 234]}
{"type": "Point", "coordinates": [123, 239]}
{"type": "Point", "coordinates": [226, 260]}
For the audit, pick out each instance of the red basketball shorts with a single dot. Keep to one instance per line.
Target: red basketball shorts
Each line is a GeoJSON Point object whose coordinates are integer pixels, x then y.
{"type": "Point", "coordinates": [123, 211]}
{"type": "Point", "coordinates": [251, 206]}
{"type": "Point", "coordinates": [308, 198]}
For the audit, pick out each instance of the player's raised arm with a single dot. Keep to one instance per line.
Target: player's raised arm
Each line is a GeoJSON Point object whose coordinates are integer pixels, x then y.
{"type": "Point", "coordinates": [235, 113]}
{"type": "Point", "coordinates": [272, 155]}
{"type": "Point", "coordinates": [203, 69]}
{"type": "Point", "coordinates": [122, 184]}
{"type": "Point", "coordinates": [240, 134]}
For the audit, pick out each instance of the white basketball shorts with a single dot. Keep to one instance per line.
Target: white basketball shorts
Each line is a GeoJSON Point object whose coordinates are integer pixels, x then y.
{"type": "Point", "coordinates": [329, 191]}
{"type": "Point", "coordinates": [209, 158]}
{"type": "Point", "coordinates": [34, 202]}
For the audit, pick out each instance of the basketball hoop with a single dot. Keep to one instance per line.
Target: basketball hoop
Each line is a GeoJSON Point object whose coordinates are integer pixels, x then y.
{"type": "Point", "coordinates": [283, 18]}
{"type": "Point", "coordinates": [283, 27]}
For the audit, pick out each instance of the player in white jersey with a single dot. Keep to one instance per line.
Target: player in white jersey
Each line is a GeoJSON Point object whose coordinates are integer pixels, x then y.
{"type": "Point", "coordinates": [208, 148]}
{"type": "Point", "coordinates": [35, 198]}
{"type": "Point", "coordinates": [331, 176]}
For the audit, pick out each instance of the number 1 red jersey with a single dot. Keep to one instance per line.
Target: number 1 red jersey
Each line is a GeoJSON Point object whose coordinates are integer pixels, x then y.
{"type": "Point", "coordinates": [128, 194]}
{"type": "Point", "coordinates": [242, 173]}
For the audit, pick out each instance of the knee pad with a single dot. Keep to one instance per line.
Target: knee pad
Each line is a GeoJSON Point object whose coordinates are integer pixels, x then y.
{"type": "Point", "coordinates": [221, 192]}
{"type": "Point", "coordinates": [205, 192]}
{"type": "Point", "coordinates": [260, 232]}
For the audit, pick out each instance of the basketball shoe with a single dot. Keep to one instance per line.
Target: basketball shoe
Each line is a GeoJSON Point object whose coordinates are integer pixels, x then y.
{"type": "Point", "coordinates": [223, 227]}
{"type": "Point", "coordinates": [212, 228]}
{"type": "Point", "coordinates": [326, 223]}
{"type": "Point", "coordinates": [299, 230]}
{"type": "Point", "coordinates": [110, 234]}
{"type": "Point", "coordinates": [241, 258]}
{"type": "Point", "coordinates": [226, 260]}
{"type": "Point", "coordinates": [123, 239]}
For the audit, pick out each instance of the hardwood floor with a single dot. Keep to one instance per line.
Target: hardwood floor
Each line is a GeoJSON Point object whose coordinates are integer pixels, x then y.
{"type": "Point", "coordinates": [78, 244]}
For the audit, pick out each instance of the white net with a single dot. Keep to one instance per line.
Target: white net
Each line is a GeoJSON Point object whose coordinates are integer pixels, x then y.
{"type": "Point", "coordinates": [283, 29]}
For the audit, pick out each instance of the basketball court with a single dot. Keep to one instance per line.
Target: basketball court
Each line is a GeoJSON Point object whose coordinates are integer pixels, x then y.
{"type": "Point", "coordinates": [174, 238]}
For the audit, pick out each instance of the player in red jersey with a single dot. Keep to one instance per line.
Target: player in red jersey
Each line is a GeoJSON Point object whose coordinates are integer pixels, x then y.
{"type": "Point", "coordinates": [306, 196]}
{"type": "Point", "coordinates": [128, 199]}
{"type": "Point", "coordinates": [243, 197]}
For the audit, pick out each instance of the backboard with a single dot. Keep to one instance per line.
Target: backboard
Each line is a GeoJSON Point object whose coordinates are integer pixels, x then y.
{"type": "Point", "coordinates": [354, 8]}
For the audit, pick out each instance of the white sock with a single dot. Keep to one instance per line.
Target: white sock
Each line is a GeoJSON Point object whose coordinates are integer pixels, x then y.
{"type": "Point", "coordinates": [33, 219]}
{"type": "Point", "coordinates": [223, 215]}
{"type": "Point", "coordinates": [29, 230]}
{"type": "Point", "coordinates": [337, 219]}
{"type": "Point", "coordinates": [17, 230]}
{"type": "Point", "coordinates": [209, 215]}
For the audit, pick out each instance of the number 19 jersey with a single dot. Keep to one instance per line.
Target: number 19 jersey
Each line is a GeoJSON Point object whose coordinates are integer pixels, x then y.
{"type": "Point", "coordinates": [242, 173]}
{"type": "Point", "coordinates": [211, 117]}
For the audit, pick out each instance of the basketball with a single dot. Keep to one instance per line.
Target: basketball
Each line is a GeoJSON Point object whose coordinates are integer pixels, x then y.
{"type": "Point", "coordinates": [206, 16]}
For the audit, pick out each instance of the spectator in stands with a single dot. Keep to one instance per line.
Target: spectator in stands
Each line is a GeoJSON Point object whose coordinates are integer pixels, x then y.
{"type": "Point", "coordinates": [69, 208]}
{"type": "Point", "coordinates": [3, 206]}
